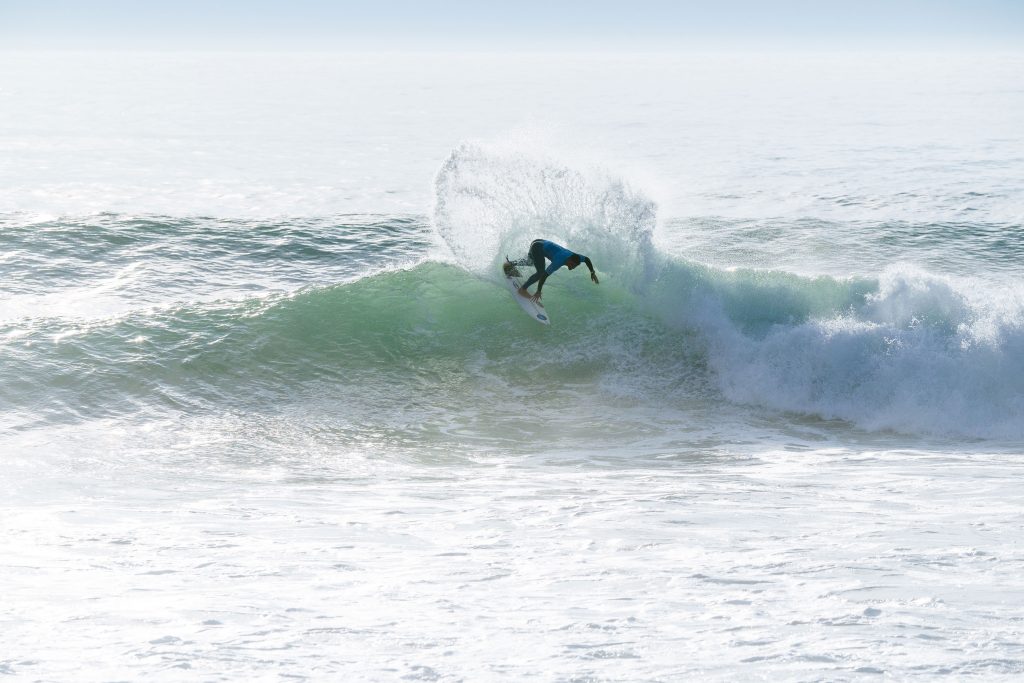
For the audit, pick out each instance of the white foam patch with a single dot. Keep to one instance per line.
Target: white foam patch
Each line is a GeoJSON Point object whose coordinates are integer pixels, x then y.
{"type": "Point", "coordinates": [924, 353]}
{"type": "Point", "coordinates": [493, 200]}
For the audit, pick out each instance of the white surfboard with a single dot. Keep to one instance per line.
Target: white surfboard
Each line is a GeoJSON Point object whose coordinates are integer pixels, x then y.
{"type": "Point", "coordinates": [534, 309]}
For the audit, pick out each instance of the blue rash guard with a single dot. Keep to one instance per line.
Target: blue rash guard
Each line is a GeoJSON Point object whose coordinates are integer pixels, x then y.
{"type": "Point", "coordinates": [546, 249]}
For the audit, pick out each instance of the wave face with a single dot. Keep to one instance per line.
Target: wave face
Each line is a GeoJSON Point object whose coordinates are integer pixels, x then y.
{"type": "Point", "coordinates": [427, 344]}
{"type": "Point", "coordinates": [358, 318]}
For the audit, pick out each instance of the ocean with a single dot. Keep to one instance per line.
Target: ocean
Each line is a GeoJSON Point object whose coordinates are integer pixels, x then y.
{"type": "Point", "coordinates": [267, 411]}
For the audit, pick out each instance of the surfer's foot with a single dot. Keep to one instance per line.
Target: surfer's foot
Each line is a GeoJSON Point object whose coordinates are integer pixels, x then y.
{"type": "Point", "coordinates": [523, 291]}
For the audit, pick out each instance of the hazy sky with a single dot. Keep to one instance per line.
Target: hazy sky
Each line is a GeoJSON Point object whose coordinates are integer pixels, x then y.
{"type": "Point", "coordinates": [527, 24]}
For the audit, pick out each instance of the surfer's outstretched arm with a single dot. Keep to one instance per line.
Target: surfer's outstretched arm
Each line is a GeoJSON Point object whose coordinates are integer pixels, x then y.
{"type": "Point", "coordinates": [590, 266]}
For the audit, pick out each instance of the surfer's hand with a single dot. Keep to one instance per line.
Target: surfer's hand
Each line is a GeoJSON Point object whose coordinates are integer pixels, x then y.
{"type": "Point", "coordinates": [593, 276]}
{"type": "Point", "coordinates": [535, 297]}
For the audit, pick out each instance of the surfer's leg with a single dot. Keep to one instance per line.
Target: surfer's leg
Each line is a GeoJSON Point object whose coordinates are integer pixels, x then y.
{"type": "Point", "coordinates": [537, 255]}
{"type": "Point", "coordinates": [537, 258]}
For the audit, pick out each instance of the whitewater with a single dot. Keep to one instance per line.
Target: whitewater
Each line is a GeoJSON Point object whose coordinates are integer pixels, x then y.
{"type": "Point", "coordinates": [268, 412]}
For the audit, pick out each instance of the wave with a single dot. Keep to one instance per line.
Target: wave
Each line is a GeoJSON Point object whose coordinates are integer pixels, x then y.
{"type": "Point", "coordinates": [902, 349]}
{"type": "Point", "coordinates": [906, 351]}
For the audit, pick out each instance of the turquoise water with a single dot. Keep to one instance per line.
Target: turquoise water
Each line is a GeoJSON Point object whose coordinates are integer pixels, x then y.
{"type": "Point", "coordinates": [268, 410]}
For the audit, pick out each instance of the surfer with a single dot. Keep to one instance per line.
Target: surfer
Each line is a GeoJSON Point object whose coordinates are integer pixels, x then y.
{"type": "Point", "coordinates": [559, 256]}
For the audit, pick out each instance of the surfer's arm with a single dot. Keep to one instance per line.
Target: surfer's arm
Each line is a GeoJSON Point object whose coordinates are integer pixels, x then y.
{"type": "Point", "coordinates": [590, 266]}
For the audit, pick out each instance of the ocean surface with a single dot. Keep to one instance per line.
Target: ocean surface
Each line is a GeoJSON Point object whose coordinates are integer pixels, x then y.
{"type": "Point", "coordinates": [267, 411]}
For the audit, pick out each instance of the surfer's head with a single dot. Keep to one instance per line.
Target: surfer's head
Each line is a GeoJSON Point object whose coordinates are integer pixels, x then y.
{"type": "Point", "coordinates": [573, 261]}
